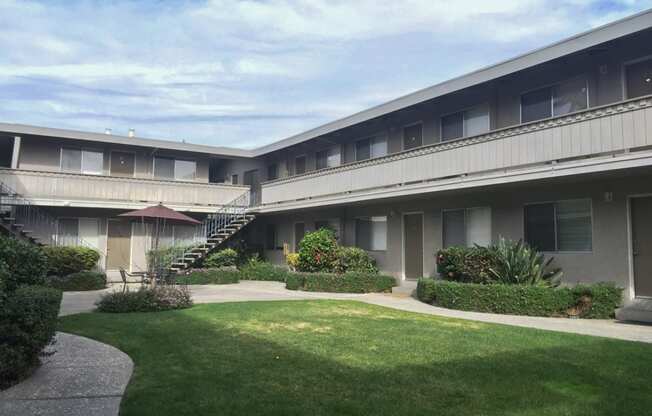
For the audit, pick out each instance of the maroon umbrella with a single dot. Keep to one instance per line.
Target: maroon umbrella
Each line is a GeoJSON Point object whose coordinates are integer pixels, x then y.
{"type": "Point", "coordinates": [159, 215]}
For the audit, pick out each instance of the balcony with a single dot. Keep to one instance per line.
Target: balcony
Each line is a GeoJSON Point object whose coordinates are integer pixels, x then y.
{"type": "Point", "coordinates": [78, 190]}
{"type": "Point", "coordinates": [615, 136]}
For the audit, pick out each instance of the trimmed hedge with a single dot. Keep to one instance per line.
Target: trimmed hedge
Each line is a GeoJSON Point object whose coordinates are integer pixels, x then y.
{"type": "Point", "coordinates": [596, 301]}
{"type": "Point", "coordinates": [210, 277]}
{"type": "Point", "coordinates": [260, 270]}
{"type": "Point", "coordinates": [351, 282]}
{"type": "Point", "coordinates": [222, 258]}
{"type": "Point", "coordinates": [80, 281]}
{"type": "Point", "coordinates": [65, 260]}
{"type": "Point", "coordinates": [27, 325]}
{"type": "Point", "coordinates": [146, 299]}
{"type": "Point", "coordinates": [22, 263]}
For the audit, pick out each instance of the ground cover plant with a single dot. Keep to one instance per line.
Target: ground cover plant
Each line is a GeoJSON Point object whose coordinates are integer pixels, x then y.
{"type": "Point", "coordinates": [146, 299]}
{"type": "Point", "coordinates": [336, 358]}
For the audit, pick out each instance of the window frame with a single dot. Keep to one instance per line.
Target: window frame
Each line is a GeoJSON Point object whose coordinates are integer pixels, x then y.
{"type": "Point", "coordinates": [466, 209]}
{"type": "Point", "coordinates": [368, 218]}
{"type": "Point", "coordinates": [276, 170]}
{"type": "Point", "coordinates": [584, 76]}
{"type": "Point", "coordinates": [405, 126]}
{"type": "Point", "coordinates": [623, 74]}
{"type": "Point", "coordinates": [372, 138]}
{"type": "Point", "coordinates": [554, 203]}
{"type": "Point", "coordinates": [464, 132]}
{"type": "Point", "coordinates": [305, 167]}
{"type": "Point", "coordinates": [81, 160]}
{"type": "Point", "coordinates": [124, 151]}
{"type": "Point", "coordinates": [234, 176]}
{"type": "Point", "coordinates": [174, 169]}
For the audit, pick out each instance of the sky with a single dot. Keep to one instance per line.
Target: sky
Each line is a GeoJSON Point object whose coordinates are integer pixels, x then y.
{"type": "Point", "coordinates": [248, 73]}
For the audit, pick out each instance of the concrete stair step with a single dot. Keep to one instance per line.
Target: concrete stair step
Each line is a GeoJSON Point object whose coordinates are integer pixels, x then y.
{"type": "Point", "coordinates": [406, 288]}
{"type": "Point", "coordinates": [636, 310]}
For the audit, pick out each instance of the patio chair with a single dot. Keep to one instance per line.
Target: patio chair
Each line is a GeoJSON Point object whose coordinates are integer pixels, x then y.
{"type": "Point", "coordinates": [124, 274]}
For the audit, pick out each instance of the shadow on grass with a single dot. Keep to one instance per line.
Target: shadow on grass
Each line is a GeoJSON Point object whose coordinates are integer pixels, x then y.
{"type": "Point", "coordinates": [239, 359]}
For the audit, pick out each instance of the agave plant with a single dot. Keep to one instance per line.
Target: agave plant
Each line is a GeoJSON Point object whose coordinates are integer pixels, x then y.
{"type": "Point", "coordinates": [518, 263]}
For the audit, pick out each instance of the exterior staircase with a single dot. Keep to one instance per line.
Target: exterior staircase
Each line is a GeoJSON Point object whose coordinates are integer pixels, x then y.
{"type": "Point", "coordinates": [214, 231]}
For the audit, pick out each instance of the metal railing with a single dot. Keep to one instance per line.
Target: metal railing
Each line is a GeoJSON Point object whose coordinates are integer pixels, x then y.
{"type": "Point", "coordinates": [214, 223]}
{"type": "Point", "coordinates": [39, 223]}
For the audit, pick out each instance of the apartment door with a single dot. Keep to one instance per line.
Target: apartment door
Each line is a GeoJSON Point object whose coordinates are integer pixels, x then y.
{"type": "Point", "coordinates": [123, 164]}
{"type": "Point", "coordinates": [642, 245]}
{"type": "Point", "coordinates": [299, 232]}
{"type": "Point", "coordinates": [413, 245]}
{"type": "Point", "coordinates": [118, 247]}
{"type": "Point", "coordinates": [252, 179]}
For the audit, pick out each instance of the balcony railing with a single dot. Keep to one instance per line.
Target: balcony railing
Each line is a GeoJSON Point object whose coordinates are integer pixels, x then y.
{"type": "Point", "coordinates": [70, 189]}
{"type": "Point", "coordinates": [615, 128]}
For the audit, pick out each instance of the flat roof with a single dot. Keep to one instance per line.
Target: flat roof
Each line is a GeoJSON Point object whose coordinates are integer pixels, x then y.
{"type": "Point", "coordinates": [623, 27]}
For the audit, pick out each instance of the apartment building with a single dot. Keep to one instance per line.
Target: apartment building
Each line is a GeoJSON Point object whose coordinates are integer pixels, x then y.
{"type": "Point", "coordinates": [553, 147]}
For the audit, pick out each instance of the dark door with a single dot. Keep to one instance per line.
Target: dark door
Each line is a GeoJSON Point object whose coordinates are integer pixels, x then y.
{"type": "Point", "coordinates": [252, 179]}
{"type": "Point", "coordinates": [413, 245]}
{"type": "Point", "coordinates": [299, 232]}
{"type": "Point", "coordinates": [118, 247]}
{"type": "Point", "coordinates": [122, 164]}
{"type": "Point", "coordinates": [642, 245]}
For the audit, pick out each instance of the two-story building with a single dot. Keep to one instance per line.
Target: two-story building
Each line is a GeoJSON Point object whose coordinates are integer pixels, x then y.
{"type": "Point", "coordinates": [553, 147]}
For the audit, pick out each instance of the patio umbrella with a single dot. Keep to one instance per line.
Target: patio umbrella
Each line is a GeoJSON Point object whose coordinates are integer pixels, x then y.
{"type": "Point", "coordinates": [159, 215]}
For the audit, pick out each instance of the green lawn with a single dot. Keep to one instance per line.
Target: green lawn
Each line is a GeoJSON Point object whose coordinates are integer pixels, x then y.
{"type": "Point", "coordinates": [339, 357]}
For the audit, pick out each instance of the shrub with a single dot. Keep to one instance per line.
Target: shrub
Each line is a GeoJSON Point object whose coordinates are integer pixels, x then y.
{"type": "Point", "coordinates": [27, 325]}
{"type": "Point", "coordinates": [292, 260]}
{"type": "Point", "coordinates": [80, 281]}
{"type": "Point", "coordinates": [63, 260]}
{"type": "Point", "coordinates": [223, 258]}
{"type": "Point", "coordinates": [260, 270]}
{"type": "Point", "coordinates": [517, 263]}
{"type": "Point", "coordinates": [210, 277]}
{"type": "Point", "coordinates": [146, 299]}
{"type": "Point", "coordinates": [354, 259]}
{"type": "Point", "coordinates": [350, 282]}
{"type": "Point", "coordinates": [522, 299]}
{"type": "Point", "coordinates": [462, 264]}
{"type": "Point", "coordinates": [23, 263]}
{"type": "Point", "coordinates": [317, 251]}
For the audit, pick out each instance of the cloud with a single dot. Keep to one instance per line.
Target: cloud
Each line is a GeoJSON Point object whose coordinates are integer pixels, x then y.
{"type": "Point", "coordinates": [245, 73]}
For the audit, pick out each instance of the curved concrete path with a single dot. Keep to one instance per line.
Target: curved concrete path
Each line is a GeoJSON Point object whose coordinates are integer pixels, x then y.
{"type": "Point", "coordinates": [75, 302]}
{"type": "Point", "coordinates": [82, 378]}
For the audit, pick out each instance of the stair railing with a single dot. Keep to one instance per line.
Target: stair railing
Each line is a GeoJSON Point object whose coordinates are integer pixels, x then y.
{"type": "Point", "coordinates": [42, 225]}
{"type": "Point", "coordinates": [212, 224]}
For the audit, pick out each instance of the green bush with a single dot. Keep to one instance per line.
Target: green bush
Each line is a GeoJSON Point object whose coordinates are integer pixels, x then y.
{"type": "Point", "coordinates": [23, 263]}
{"type": "Point", "coordinates": [350, 282]}
{"type": "Point", "coordinates": [518, 263]}
{"type": "Point", "coordinates": [146, 299]}
{"type": "Point", "coordinates": [80, 281]}
{"type": "Point", "coordinates": [354, 259]}
{"type": "Point", "coordinates": [586, 301]}
{"type": "Point", "coordinates": [223, 258]}
{"type": "Point", "coordinates": [465, 264]}
{"type": "Point", "coordinates": [27, 325]}
{"type": "Point", "coordinates": [210, 277]}
{"type": "Point", "coordinates": [318, 251]}
{"type": "Point", "coordinates": [255, 269]}
{"type": "Point", "coordinates": [65, 260]}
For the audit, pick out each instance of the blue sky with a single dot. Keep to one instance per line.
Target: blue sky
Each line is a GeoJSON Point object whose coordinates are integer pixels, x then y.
{"type": "Point", "coordinates": [246, 73]}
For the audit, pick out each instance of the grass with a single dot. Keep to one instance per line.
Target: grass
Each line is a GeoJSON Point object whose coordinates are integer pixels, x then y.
{"type": "Point", "coordinates": [350, 358]}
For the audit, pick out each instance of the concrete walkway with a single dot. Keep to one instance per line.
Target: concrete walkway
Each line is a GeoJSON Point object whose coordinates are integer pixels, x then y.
{"type": "Point", "coordinates": [75, 302]}
{"type": "Point", "coordinates": [83, 377]}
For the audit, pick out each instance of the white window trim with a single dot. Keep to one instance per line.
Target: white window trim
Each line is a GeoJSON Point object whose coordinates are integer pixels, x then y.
{"type": "Point", "coordinates": [464, 132]}
{"type": "Point", "coordinates": [81, 161]}
{"type": "Point", "coordinates": [552, 101]}
{"type": "Point", "coordinates": [554, 202]}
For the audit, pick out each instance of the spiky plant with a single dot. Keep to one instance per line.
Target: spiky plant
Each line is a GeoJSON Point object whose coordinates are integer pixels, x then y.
{"type": "Point", "coordinates": [518, 263]}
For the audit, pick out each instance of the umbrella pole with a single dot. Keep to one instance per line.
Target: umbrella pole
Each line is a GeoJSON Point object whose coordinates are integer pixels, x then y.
{"type": "Point", "coordinates": [156, 242]}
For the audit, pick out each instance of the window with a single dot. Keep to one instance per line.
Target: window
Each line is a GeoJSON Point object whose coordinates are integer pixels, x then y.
{"type": "Point", "coordinates": [83, 161]}
{"type": "Point", "coordinates": [300, 165]}
{"type": "Point", "coordinates": [271, 237]}
{"type": "Point", "coordinates": [272, 172]}
{"type": "Point", "coordinates": [68, 230]}
{"type": "Point", "coordinates": [467, 227]}
{"type": "Point", "coordinates": [234, 179]}
{"type": "Point", "coordinates": [168, 168]}
{"type": "Point", "coordinates": [371, 233]}
{"type": "Point", "coordinates": [559, 226]}
{"type": "Point", "coordinates": [370, 148]}
{"type": "Point", "coordinates": [557, 100]}
{"type": "Point", "coordinates": [328, 158]}
{"type": "Point", "coordinates": [639, 78]}
{"type": "Point", "coordinates": [465, 123]}
{"type": "Point", "coordinates": [72, 230]}
{"type": "Point", "coordinates": [412, 136]}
